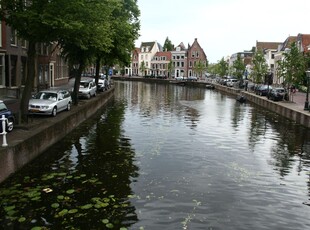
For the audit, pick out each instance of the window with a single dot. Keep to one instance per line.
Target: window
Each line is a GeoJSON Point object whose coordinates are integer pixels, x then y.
{"type": "Point", "coordinates": [141, 57]}
{"type": "Point", "coordinates": [272, 56]}
{"type": "Point", "coordinates": [24, 43]}
{"type": "Point", "coordinates": [13, 38]}
{"type": "Point", "coordinates": [197, 54]}
{"type": "Point", "coordinates": [182, 63]}
{"type": "Point", "coordinates": [173, 57]}
{"type": "Point", "coordinates": [0, 37]}
{"type": "Point", "coordinates": [193, 53]}
{"type": "Point", "coordinates": [146, 64]}
{"type": "Point", "coordinates": [190, 64]}
{"type": "Point", "coordinates": [2, 75]}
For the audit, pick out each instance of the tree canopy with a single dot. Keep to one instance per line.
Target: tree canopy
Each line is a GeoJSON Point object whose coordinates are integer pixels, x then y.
{"type": "Point", "coordinates": [82, 28]}
{"type": "Point", "coordinates": [168, 46]}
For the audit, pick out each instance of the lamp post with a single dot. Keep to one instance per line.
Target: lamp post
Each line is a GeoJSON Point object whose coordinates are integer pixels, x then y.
{"type": "Point", "coordinates": [307, 95]}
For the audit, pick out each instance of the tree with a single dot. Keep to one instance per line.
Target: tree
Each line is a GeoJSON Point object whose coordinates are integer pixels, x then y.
{"type": "Point", "coordinates": [142, 68]}
{"type": "Point", "coordinates": [200, 67]}
{"type": "Point", "coordinates": [260, 67]}
{"type": "Point", "coordinates": [168, 46]}
{"type": "Point", "coordinates": [93, 18]}
{"type": "Point", "coordinates": [170, 68]}
{"type": "Point", "coordinates": [238, 68]}
{"type": "Point", "coordinates": [293, 66]}
{"type": "Point", "coordinates": [32, 22]}
{"type": "Point", "coordinates": [124, 32]}
{"type": "Point", "coordinates": [79, 26]}
{"type": "Point", "coordinates": [222, 68]}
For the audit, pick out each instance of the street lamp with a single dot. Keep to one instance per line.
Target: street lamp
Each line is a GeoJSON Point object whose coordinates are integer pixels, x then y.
{"type": "Point", "coordinates": [307, 95]}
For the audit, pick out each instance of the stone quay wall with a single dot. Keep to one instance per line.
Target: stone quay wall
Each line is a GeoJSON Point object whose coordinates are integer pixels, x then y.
{"type": "Point", "coordinates": [25, 145]}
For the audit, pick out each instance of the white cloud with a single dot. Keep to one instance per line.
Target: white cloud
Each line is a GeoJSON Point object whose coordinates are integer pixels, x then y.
{"type": "Point", "coordinates": [222, 27]}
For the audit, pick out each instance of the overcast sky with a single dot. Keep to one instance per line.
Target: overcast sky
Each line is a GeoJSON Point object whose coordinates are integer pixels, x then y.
{"type": "Point", "coordinates": [222, 27]}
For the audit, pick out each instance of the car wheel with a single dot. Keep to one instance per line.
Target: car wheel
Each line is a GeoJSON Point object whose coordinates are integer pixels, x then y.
{"type": "Point", "coordinates": [54, 112]}
{"type": "Point", "coordinates": [95, 94]}
{"type": "Point", "coordinates": [69, 106]}
{"type": "Point", "coordinates": [88, 96]}
{"type": "Point", "coordinates": [10, 126]}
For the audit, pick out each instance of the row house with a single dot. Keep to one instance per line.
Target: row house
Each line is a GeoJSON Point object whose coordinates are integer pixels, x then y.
{"type": "Point", "coordinates": [52, 69]}
{"type": "Point", "coordinates": [195, 54]}
{"type": "Point", "coordinates": [269, 49]}
{"type": "Point", "coordinates": [160, 64]}
{"type": "Point", "coordinates": [179, 61]}
{"type": "Point", "coordinates": [156, 61]}
{"type": "Point", "coordinates": [135, 62]}
{"type": "Point", "coordinates": [146, 54]}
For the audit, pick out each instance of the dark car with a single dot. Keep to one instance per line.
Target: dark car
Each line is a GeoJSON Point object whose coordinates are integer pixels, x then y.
{"type": "Point", "coordinates": [276, 94]}
{"type": "Point", "coordinates": [9, 115]}
{"type": "Point", "coordinates": [263, 90]}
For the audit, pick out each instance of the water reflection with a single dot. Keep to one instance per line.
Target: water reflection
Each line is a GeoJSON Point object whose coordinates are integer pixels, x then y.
{"type": "Point", "coordinates": [81, 183]}
{"type": "Point", "coordinates": [168, 157]}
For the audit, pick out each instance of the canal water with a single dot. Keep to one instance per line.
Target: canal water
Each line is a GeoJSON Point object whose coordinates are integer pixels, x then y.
{"type": "Point", "coordinates": [167, 157]}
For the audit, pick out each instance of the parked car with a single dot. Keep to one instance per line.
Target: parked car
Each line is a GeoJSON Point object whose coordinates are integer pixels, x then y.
{"type": "Point", "coordinates": [231, 82]}
{"type": "Point", "coordinates": [87, 89]}
{"type": "Point", "coordinates": [276, 94]}
{"type": "Point", "coordinates": [179, 78]}
{"type": "Point", "coordinates": [50, 102]}
{"type": "Point", "coordinates": [192, 78]}
{"type": "Point", "coordinates": [161, 77]}
{"type": "Point", "coordinates": [9, 115]}
{"type": "Point", "coordinates": [263, 90]}
{"type": "Point", "coordinates": [102, 84]}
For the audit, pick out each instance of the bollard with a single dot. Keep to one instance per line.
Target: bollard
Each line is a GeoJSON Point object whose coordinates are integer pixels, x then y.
{"type": "Point", "coordinates": [4, 142]}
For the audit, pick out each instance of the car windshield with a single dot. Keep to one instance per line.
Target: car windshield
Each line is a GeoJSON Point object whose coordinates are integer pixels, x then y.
{"type": "Point", "coordinates": [2, 107]}
{"type": "Point", "coordinates": [84, 84]}
{"type": "Point", "coordinates": [46, 96]}
{"type": "Point", "coordinates": [280, 90]}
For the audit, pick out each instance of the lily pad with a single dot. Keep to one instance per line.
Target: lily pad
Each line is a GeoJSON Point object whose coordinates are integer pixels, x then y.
{"type": "Point", "coordinates": [55, 205]}
{"type": "Point", "coordinates": [72, 211]}
{"type": "Point", "coordinates": [21, 219]}
{"type": "Point", "coordinates": [87, 206]}
{"type": "Point", "coordinates": [70, 191]}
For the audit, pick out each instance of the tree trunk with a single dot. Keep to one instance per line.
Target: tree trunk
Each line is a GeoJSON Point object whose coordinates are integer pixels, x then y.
{"type": "Point", "coordinates": [75, 93]}
{"type": "Point", "coordinates": [98, 60]}
{"type": "Point", "coordinates": [31, 73]}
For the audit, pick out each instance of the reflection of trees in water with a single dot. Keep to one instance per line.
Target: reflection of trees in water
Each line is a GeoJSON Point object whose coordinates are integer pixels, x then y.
{"type": "Point", "coordinates": [111, 159]}
{"type": "Point", "coordinates": [291, 140]}
{"type": "Point", "coordinates": [94, 161]}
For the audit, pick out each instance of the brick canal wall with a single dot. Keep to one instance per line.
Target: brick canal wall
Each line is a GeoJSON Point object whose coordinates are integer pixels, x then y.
{"type": "Point", "coordinates": [25, 145]}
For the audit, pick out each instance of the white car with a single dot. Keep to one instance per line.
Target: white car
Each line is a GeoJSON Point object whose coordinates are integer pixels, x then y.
{"type": "Point", "coordinates": [87, 89]}
{"type": "Point", "coordinates": [192, 78]}
{"type": "Point", "coordinates": [179, 78]}
{"type": "Point", "coordinates": [50, 102]}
